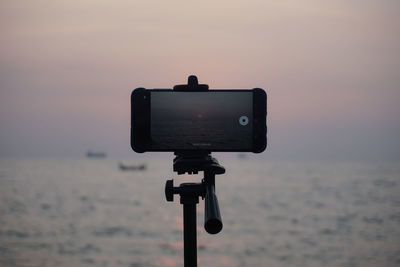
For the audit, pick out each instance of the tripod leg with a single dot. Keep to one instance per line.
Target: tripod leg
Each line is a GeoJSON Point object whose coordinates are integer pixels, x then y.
{"type": "Point", "coordinates": [190, 235]}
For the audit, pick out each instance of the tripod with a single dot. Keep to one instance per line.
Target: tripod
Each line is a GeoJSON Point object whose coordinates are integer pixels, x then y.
{"type": "Point", "coordinates": [193, 162]}
{"type": "Point", "coordinates": [189, 197]}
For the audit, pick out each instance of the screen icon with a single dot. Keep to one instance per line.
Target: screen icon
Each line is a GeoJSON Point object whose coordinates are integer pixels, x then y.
{"type": "Point", "coordinates": [244, 120]}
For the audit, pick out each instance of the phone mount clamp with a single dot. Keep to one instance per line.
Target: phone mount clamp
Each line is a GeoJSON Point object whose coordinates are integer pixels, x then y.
{"type": "Point", "coordinates": [192, 162]}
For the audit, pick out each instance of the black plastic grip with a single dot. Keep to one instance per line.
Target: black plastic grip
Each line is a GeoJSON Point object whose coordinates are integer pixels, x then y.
{"type": "Point", "coordinates": [212, 216]}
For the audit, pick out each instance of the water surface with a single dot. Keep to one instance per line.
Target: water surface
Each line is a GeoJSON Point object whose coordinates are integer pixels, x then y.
{"type": "Point", "coordinates": [82, 212]}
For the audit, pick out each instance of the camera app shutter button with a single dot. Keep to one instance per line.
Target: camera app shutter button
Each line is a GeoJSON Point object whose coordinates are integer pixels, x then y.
{"type": "Point", "coordinates": [244, 120]}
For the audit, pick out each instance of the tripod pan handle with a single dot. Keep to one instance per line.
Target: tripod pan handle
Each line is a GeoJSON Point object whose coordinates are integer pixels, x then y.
{"type": "Point", "coordinates": [212, 216]}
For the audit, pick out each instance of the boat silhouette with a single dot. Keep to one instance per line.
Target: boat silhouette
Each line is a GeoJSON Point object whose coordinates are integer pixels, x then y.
{"type": "Point", "coordinates": [140, 167]}
{"type": "Point", "coordinates": [91, 154]}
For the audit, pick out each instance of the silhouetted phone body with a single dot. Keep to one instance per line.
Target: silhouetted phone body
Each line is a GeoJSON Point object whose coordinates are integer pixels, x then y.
{"type": "Point", "coordinates": [209, 121]}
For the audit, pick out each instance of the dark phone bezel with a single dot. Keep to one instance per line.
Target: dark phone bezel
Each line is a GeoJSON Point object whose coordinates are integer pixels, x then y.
{"type": "Point", "coordinates": [141, 115]}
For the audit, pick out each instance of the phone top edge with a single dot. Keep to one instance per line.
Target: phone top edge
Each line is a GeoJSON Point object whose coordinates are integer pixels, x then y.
{"type": "Point", "coordinates": [212, 90]}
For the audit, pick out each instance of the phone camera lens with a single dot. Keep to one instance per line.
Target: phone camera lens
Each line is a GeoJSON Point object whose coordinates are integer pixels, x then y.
{"type": "Point", "coordinates": [244, 120]}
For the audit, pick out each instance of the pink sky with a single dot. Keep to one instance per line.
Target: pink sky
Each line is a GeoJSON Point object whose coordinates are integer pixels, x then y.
{"type": "Point", "coordinates": [331, 70]}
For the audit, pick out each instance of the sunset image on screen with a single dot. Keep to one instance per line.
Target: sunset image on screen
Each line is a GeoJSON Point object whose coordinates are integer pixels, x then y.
{"type": "Point", "coordinates": [201, 120]}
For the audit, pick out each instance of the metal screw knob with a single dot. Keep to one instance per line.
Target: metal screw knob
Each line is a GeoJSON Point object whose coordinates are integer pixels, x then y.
{"type": "Point", "coordinates": [169, 190]}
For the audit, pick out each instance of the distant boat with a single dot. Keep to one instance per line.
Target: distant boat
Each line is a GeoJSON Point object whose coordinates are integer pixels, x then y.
{"type": "Point", "coordinates": [91, 154]}
{"type": "Point", "coordinates": [242, 156]}
{"type": "Point", "coordinates": [140, 167]}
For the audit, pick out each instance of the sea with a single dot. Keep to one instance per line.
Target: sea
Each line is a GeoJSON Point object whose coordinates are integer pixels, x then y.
{"type": "Point", "coordinates": [88, 212]}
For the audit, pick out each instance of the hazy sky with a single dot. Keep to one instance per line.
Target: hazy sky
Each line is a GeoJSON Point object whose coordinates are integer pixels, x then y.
{"type": "Point", "coordinates": [331, 70]}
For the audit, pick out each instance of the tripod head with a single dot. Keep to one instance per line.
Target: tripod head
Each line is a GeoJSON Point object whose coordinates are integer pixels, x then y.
{"type": "Point", "coordinates": [192, 164]}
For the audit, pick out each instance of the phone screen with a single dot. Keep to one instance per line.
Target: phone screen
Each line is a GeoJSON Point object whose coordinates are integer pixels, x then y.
{"type": "Point", "coordinates": [215, 121]}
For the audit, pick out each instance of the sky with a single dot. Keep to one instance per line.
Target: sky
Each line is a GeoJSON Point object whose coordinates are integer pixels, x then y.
{"type": "Point", "coordinates": [331, 70]}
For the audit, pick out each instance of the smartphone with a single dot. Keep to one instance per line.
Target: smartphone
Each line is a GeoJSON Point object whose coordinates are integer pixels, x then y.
{"type": "Point", "coordinates": [209, 121]}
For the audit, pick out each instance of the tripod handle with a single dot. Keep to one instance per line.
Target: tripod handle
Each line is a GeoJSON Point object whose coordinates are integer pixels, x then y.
{"type": "Point", "coordinates": [212, 216]}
